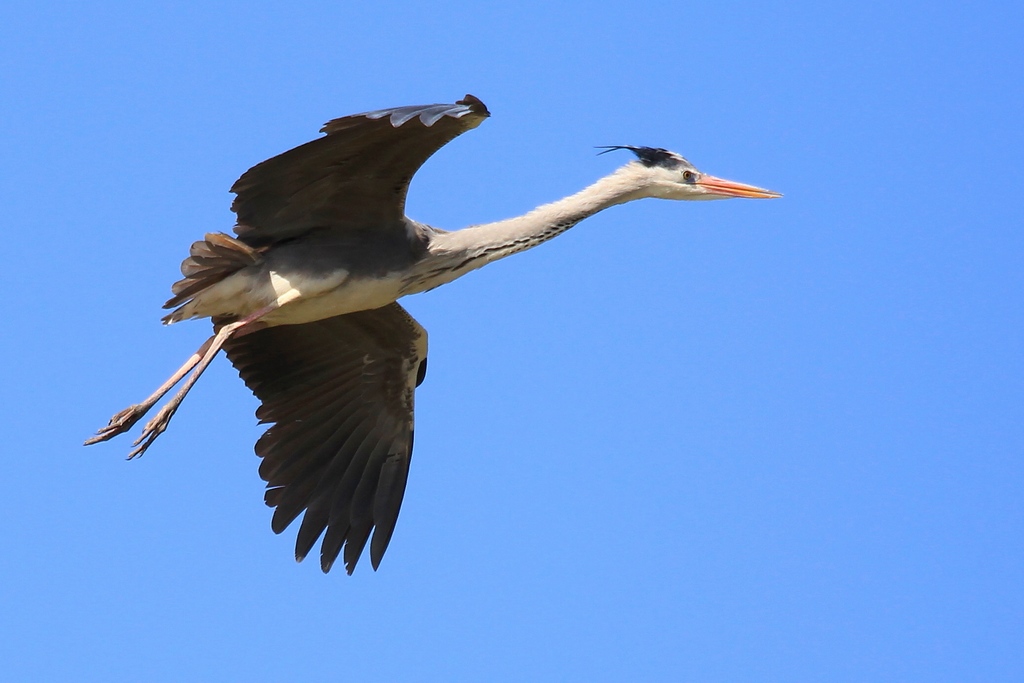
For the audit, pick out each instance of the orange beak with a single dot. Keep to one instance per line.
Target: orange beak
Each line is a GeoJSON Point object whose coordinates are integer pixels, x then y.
{"type": "Point", "coordinates": [728, 188]}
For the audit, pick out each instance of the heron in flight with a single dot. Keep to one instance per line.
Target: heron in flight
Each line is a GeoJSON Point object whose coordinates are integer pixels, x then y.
{"type": "Point", "coordinates": [303, 302]}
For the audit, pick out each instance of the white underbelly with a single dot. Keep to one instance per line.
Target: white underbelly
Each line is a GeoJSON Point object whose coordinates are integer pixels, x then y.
{"type": "Point", "coordinates": [301, 304]}
{"type": "Point", "coordinates": [299, 298]}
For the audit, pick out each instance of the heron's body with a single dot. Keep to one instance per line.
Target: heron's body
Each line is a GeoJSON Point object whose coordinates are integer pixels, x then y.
{"type": "Point", "coordinates": [303, 302]}
{"type": "Point", "coordinates": [300, 285]}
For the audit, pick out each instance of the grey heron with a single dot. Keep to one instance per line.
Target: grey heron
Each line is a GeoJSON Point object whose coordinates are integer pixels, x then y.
{"type": "Point", "coordinates": [303, 302]}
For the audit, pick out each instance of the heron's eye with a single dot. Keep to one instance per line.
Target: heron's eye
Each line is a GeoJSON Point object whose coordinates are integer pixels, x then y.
{"type": "Point", "coordinates": [689, 176]}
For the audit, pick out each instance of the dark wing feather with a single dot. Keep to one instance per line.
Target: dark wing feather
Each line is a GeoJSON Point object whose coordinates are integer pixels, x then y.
{"type": "Point", "coordinates": [340, 394]}
{"type": "Point", "coordinates": [355, 177]}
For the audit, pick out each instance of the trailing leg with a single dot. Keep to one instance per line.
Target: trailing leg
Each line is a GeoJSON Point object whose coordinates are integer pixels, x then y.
{"type": "Point", "coordinates": [126, 419]}
{"type": "Point", "coordinates": [197, 364]}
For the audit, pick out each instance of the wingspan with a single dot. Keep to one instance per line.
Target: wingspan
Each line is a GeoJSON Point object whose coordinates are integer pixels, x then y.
{"type": "Point", "coordinates": [340, 394]}
{"type": "Point", "coordinates": [355, 177]}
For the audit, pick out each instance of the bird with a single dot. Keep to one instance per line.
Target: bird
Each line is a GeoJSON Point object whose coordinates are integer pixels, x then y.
{"type": "Point", "coordinates": [303, 301]}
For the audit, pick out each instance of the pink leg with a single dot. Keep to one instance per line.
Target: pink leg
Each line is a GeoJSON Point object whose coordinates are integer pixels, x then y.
{"type": "Point", "coordinates": [125, 419]}
{"type": "Point", "coordinates": [200, 360]}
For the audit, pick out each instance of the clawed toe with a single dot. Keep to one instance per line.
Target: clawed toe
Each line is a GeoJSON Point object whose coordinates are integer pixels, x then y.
{"type": "Point", "coordinates": [154, 428]}
{"type": "Point", "coordinates": [119, 424]}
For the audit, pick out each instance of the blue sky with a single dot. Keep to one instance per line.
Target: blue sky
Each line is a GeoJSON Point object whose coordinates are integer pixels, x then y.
{"type": "Point", "coordinates": [692, 442]}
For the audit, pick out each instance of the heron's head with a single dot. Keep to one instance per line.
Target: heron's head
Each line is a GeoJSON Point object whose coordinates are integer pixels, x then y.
{"type": "Point", "coordinates": [667, 175]}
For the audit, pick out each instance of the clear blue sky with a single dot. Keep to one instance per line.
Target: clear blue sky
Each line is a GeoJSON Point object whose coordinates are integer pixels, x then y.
{"type": "Point", "coordinates": [728, 441]}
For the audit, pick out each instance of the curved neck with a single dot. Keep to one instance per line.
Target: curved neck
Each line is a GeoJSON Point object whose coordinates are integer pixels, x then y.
{"type": "Point", "coordinates": [453, 254]}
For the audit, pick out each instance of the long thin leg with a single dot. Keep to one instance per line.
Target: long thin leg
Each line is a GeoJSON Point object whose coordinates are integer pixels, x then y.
{"type": "Point", "coordinates": [158, 423]}
{"type": "Point", "coordinates": [126, 419]}
{"type": "Point", "coordinates": [200, 360]}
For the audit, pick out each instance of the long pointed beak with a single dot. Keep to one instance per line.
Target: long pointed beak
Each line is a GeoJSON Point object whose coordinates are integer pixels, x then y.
{"type": "Point", "coordinates": [728, 188]}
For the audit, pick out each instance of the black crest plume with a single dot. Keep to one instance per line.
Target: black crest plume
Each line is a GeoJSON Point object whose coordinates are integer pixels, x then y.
{"type": "Point", "coordinates": [648, 156]}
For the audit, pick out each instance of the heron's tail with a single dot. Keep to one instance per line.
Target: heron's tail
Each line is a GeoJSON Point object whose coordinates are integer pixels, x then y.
{"type": "Point", "coordinates": [210, 260]}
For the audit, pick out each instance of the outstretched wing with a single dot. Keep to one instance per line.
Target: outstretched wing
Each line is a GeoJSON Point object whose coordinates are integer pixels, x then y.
{"type": "Point", "coordinates": [354, 177]}
{"type": "Point", "coordinates": [340, 394]}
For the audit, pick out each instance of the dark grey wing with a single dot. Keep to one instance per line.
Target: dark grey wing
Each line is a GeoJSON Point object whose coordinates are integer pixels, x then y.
{"type": "Point", "coordinates": [354, 177]}
{"type": "Point", "coordinates": [340, 394]}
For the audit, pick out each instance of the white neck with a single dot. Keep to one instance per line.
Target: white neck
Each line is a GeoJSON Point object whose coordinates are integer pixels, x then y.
{"type": "Point", "coordinates": [453, 254]}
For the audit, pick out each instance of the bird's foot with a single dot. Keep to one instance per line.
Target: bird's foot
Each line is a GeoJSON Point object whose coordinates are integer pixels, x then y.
{"type": "Point", "coordinates": [154, 428]}
{"type": "Point", "coordinates": [119, 424]}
